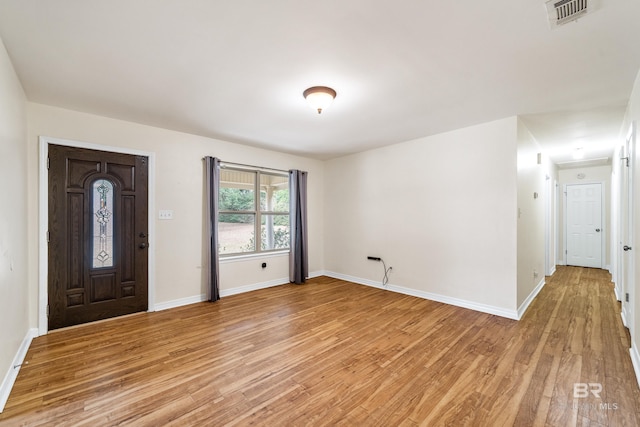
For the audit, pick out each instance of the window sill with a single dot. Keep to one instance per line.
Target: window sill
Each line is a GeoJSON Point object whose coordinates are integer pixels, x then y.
{"type": "Point", "coordinates": [237, 258]}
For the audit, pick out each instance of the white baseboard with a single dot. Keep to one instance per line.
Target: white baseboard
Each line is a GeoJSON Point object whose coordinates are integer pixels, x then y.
{"type": "Point", "coordinates": [253, 287]}
{"type": "Point", "coordinates": [264, 285]}
{"type": "Point", "coordinates": [525, 304]}
{"type": "Point", "coordinates": [358, 280]}
{"type": "Point", "coordinates": [12, 374]}
{"type": "Point", "coordinates": [623, 314]}
{"type": "Point", "coordinates": [227, 292]}
{"type": "Point", "coordinates": [553, 271]}
{"type": "Point", "coordinates": [318, 273]}
{"type": "Point", "coordinates": [159, 306]}
{"type": "Point", "coordinates": [484, 308]}
{"type": "Point", "coordinates": [616, 292]}
{"type": "Point", "coordinates": [635, 360]}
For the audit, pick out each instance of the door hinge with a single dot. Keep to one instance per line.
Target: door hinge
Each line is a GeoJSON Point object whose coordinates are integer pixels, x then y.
{"type": "Point", "coordinates": [48, 162]}
{"type": "Point", "coordinates": [626, 297]}
{"type": "Point", "coordinates": [48, 236]}
{"type": "Point", "coordinates": [47, 310]}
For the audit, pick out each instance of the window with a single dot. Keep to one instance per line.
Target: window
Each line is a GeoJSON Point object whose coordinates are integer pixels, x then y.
{"type": "Point", "coordinates": [253, 211]}
{"type": "Point", "coordinates": [102, 194]}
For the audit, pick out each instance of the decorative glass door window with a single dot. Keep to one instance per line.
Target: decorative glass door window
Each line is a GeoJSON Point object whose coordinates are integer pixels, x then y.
{"type": "Point", "coordinates": [102, 223]}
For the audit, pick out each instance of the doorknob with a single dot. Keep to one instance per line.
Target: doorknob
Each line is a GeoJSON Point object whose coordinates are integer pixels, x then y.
{"type": "Point", "coordinates": [597, 230]}
{"type": "Point", "coordinates": [626, 248]}
{"type": "Point", "coordinates": [142, 235]}
{"type": "Point", "coordinates": [143, 246]}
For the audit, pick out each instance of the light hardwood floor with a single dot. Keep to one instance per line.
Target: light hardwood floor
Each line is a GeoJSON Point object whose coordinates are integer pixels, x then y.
{"type": "Point", "coordinates": [335, 353]}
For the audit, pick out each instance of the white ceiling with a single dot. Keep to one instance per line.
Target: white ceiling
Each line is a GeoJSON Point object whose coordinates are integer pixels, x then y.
{"type": "Point", "coordinates": [236, 70]}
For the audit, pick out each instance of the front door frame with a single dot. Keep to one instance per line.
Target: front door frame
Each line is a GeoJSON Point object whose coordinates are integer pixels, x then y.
{"type": "Point", "coordinates": [43, 220]}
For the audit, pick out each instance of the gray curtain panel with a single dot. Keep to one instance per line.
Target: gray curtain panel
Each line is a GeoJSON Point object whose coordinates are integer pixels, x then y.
{"type": "Point", "coordinates": [298, 258]}
{"type": "Point", "coordinates": [212, 181]}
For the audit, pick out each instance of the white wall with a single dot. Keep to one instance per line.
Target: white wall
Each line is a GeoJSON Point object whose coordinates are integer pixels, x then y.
{"type": "Point", "coordinates": [14, 319]}
{"type": "Point", "coordinates": [441, 210]}
{"type": "Point", "coordinates": [591, 174]}
{"type": "Point", "coordinates": [531, 214]}
{"type": "Point", "coordinates": [179, 187]}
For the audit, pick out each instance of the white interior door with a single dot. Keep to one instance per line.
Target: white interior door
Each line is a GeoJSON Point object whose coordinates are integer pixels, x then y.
{"type": "Point", "coordinates": [584, 225]}
{"type": "Point", "coordinates": [626, 239]}
{"type": "Point", "coordinates": [624, 258]}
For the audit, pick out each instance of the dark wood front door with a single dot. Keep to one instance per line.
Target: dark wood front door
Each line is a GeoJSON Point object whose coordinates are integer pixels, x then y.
{"type": "Point", "coordinates": [98, 218]}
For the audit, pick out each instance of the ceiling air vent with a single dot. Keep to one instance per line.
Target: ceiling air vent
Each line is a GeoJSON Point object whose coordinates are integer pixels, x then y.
{"type": "Point", "coordinates": [563, 11]}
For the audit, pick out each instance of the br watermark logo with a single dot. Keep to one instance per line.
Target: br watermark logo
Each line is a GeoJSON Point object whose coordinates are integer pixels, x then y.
{"type": "Point", "coordinates": [582, 390]}
{"type": "Point", "coordinates": [587, 390]}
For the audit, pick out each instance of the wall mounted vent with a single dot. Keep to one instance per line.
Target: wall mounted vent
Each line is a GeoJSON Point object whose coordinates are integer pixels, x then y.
{"type": "Point", "coordinates": [564, 11]}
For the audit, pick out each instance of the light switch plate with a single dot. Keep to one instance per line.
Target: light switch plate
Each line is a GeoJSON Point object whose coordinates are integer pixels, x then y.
{"type": "Point", "coordinates": [165, 214]}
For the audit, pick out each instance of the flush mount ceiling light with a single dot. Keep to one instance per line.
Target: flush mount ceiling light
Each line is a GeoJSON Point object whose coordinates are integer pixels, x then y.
{"type": "Point", "coordinates": [319, 97]}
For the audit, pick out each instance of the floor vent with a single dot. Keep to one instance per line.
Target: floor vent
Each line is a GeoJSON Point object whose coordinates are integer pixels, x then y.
{"type": "Point", "coordinates": [564, 11]}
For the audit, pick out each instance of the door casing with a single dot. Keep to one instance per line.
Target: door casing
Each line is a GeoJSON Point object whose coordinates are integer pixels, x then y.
{"type": "Point", "coordinates": [43, 220]}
